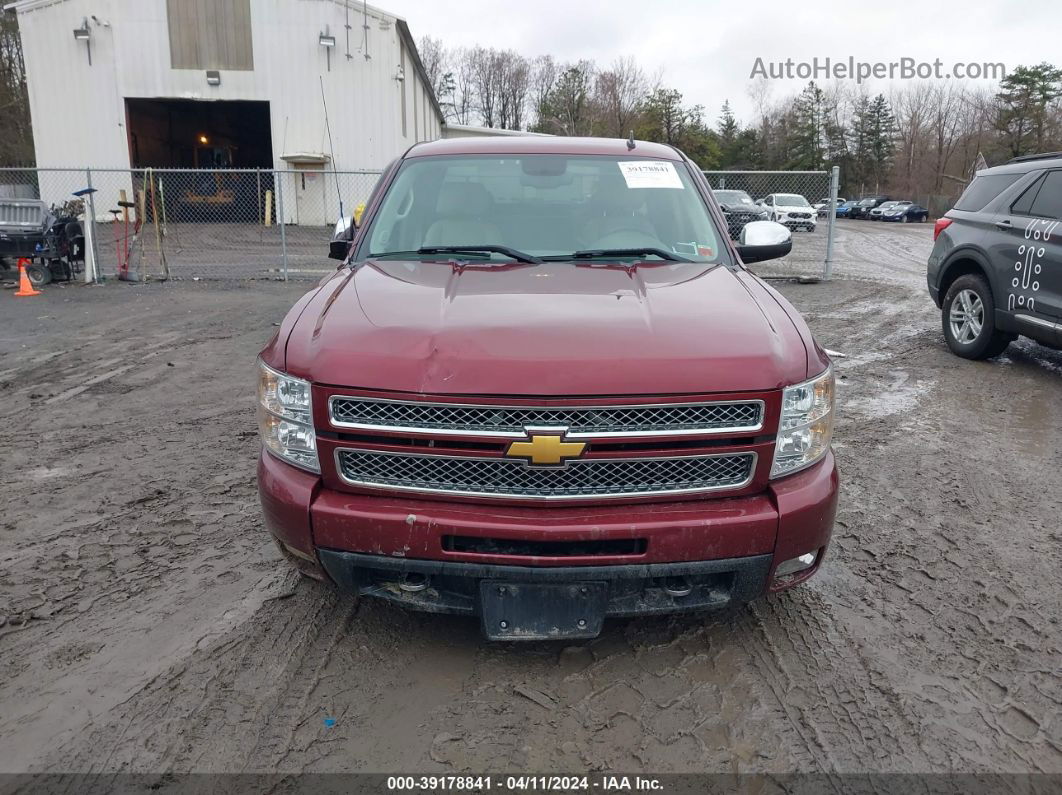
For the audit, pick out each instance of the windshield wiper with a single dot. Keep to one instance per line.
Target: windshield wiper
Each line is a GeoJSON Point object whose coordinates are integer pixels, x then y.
{"type": "Point", "coordinates": [595, 253]}
{"type": "Point", "coordinates": [519, 256]}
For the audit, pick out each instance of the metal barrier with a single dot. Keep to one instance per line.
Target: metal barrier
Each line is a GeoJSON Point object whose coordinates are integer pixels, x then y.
{"type": "Point", "coordinates": [266, 223]}
{"type": "Point", "coordinates": [789, 197]}
{"type": "Point", "coordinates": [202, 223]}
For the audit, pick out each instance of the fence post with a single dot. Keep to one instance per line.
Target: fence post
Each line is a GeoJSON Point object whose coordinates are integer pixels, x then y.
{"type": "Point", "coordinates": [835, 179]}
{"type": "Point", "coordinates": [278, 178]}
{"type": "Point", "coordinates": [97, 275]}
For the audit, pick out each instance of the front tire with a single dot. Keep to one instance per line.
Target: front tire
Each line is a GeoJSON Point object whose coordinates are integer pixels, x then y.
{"type": "Point", "coordinates": [905, 219]}
{"type": "Point", "coordinates": [968, 315]}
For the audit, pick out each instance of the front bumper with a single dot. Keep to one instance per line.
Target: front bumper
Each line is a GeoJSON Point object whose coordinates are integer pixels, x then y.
{"type": "Point", "coordinates": [724, 550]}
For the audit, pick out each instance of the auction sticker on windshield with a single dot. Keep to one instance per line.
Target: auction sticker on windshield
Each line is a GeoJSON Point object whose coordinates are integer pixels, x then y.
{"type": "Point", "coordinates": [650, 174]}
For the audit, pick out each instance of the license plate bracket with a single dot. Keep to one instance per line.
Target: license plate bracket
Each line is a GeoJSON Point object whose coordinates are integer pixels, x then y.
{"type": "Point", "coordinates": [542, 611]}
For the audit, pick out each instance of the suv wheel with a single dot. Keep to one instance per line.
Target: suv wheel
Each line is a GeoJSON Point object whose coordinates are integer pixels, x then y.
{"type": "Point", "coordinates": [969, 318]}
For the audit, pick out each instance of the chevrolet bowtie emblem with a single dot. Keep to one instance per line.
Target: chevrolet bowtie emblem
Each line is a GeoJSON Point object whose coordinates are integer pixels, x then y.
{"type": "Point", "coordinates": [545, 449]}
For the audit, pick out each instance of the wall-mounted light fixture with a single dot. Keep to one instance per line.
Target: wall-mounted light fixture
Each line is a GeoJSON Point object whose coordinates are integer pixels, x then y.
{"type": "Point", "coordinates": [84, 34]}
{"type": "Point", "coordinates": [213, 77]}
{"type": "Point", "coordinates": [400, 73]}
{"type": "Point", "coordinates": [203, 139]}
{"type": "Point", "coordinates": [328, 41]}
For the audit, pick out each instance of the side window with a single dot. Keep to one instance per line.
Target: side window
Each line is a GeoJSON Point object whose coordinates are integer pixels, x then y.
{"type": "Point", "coordinates": [1048, 202]}
{"type": "Point", "coordinates": [983, 189]}
{"type": "Point", "coordinates": [1023, 206]}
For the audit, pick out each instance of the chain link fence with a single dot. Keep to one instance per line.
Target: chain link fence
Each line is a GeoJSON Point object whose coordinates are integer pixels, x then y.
{"type": "Point", "coordinates": [200, 224]}
{"type": "Point", "coordinates": [276, 224]}
{"type": "Point", "coordinates": [797, 199]}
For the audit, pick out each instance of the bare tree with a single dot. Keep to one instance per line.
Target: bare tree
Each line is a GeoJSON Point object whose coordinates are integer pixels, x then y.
{"type": "Point", "coordinates": [462, 107]}
{"type": "Point", "coordinates": [16, 135]}
{"type": "Point", "coordinates": [543, 78]}
{"type": "Point", "coordinates": [912, 106]}
{"type": "Point", "coordinates": [619, 92]}
{"type": "Point", "coordinates": [514, 89]}
{"type": "Point", "coordinates": [486, 84]}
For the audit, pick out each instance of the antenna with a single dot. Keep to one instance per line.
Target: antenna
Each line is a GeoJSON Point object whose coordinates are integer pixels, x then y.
{"type": "Point", "coordinates": [630, 140]}
{"type": "Point", "coordinates": [331, 149]}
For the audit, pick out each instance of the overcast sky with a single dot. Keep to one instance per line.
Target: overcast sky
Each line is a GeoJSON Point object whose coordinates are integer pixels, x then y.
{"type": "Point", "coordinates": [707, 49]}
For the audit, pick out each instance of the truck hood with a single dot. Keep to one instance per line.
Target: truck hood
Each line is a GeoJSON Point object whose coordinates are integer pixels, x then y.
{"type": "Point", "coordinates": [556, 329]}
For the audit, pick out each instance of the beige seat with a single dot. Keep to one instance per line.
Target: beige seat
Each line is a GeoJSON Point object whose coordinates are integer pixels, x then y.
{"type": "Point", "coordinates": [464, 207]}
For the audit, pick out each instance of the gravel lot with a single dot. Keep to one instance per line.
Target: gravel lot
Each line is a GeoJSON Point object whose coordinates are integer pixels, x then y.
{"type": "Point", "coordinates": [147, 624]}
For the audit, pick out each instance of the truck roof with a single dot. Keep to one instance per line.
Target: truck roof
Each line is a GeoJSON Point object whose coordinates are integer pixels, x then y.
{"type": "Point", "coordinates": [542, 145]}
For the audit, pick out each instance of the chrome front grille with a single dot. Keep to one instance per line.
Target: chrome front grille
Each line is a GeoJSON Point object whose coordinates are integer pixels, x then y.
{"type": "Point", "coordinates": [584, 478]}
{"type": "Point", "coordinates": [744, 416]}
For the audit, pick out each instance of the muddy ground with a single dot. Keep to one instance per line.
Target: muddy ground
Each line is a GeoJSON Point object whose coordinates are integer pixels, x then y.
{"type": "Point", "coordinates": [146, 622]}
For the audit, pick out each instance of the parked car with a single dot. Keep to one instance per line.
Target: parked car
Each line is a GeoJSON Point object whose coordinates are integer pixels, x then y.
{"type": "Point", "coordinates": [844, 209]}
{"type": "Point", "coordinates": [905, 212]}
{"type": "Point", "coordinates": [790, 209]}
{"type": "Point", "coordinates": [862, 208]}
{"type": "Point", "coordinates": [996, 266]}
{"type": "Point", "coordinates": [875, 213]}
{"type": "Point", "coordinates": [739, 209]}
{"type": "Point", "coordinates": [457, 420]}
{"type": "Point", "coordinates": [822, 208]}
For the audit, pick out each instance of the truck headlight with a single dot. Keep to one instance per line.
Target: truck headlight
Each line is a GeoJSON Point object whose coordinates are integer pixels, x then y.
{"type": "Point", "coordinates": [806, 425]}
{"type": "Point", "coordinates": [285, 418]}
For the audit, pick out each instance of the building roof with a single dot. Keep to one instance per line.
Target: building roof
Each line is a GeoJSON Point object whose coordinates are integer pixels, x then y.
{"type": "Point", "coordinates": [550, 145]}
{"type": "Point", "coordinates": [400, 26]}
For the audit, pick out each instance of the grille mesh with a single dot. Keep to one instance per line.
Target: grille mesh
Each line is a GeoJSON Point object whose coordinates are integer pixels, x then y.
{"type": "Point", "coordinates": [509, 419]}
{"type": "Point", "coordinates": [584, 478]}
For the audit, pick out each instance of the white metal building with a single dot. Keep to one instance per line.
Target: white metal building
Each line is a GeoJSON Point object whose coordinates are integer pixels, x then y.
{"type": "Point", "coordinates": [200, 83]}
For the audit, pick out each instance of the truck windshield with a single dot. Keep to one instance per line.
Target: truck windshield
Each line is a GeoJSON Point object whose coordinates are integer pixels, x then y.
{"type": "Point", "coordinates": [551, 206]}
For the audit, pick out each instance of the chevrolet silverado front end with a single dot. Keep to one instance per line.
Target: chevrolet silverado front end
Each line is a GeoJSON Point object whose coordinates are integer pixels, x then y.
{"type": "Point", "coordinates": [544, 390]}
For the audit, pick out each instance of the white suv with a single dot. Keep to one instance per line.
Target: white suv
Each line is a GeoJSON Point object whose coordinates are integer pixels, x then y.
{"type": "Point", "coordinates": [790, 209]}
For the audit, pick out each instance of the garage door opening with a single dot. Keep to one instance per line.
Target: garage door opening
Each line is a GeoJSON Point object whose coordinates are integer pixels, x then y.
{"type": "Point", "coordinates": [220, 143]}
{"type": "Point", "coordinates": [181, 133]}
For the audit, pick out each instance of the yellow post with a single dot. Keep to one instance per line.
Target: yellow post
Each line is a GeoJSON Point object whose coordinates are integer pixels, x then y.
{"type": "Point", "coordinates": [269, 208]}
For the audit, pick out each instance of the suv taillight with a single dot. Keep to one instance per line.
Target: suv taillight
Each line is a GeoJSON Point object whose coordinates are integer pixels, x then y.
{"type": "Point", "coordinates": [940, 226]}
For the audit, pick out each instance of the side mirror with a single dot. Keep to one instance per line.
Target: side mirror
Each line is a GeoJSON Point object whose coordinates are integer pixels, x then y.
{"type": "Point", "coordinates": [342, 238]}
{"type": "Point", "coordinates": [763, 240]}
{"type": "Point", "coordinates": [338, 249]}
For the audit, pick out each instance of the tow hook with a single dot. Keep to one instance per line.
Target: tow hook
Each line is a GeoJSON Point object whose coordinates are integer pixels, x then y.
{"type": "Point", "coordinates": [414, 583]}
{"type": "Point", "coordinates": [677, 587]}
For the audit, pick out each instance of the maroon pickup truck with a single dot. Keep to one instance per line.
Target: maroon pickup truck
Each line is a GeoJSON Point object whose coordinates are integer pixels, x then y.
{"type": "Point", "coordinates": [543, 389]}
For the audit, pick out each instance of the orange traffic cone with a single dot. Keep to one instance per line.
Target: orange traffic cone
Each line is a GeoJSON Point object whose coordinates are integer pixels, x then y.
{"type": "Point", "coordinates": [24, 287]}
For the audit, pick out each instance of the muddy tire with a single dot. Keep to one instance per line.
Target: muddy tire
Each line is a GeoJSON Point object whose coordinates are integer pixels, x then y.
{"type": "Point", "coordinates": [968, 315]}
{"type": "Point", "coordinates": [39, 274]}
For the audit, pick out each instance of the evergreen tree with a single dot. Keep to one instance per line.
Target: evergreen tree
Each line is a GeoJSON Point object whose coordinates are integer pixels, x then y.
{"type": "Point", "coordinates": [881, 140]}
{"type": "Point", "coordinates": [1023, 102]}
{"type": "Point", "coordinates": [728, 131]}
{"type": "Point", "coordinates": [811, 114]}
